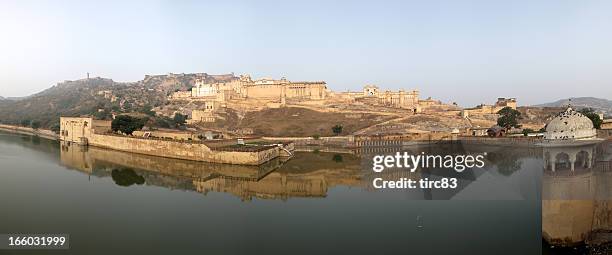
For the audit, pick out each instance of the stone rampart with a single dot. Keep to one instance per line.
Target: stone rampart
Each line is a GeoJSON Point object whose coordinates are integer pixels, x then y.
{"type": "Point", "coordinates": [182, 150]}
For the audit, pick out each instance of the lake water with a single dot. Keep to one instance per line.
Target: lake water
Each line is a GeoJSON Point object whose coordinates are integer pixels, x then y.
{"type": "Point", "coordinates": [315, 203]}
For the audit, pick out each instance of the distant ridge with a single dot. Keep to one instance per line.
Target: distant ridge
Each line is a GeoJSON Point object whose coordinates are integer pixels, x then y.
{"type": "Point", "coordinates": [11, 98]}
{"type": "Point", "coordinates": [599, 104]}
{"type": "Point", "coordinates": [97, 96]}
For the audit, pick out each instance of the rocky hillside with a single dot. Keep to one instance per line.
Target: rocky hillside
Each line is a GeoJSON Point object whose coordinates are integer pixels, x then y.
{"type": "Point", "coordinates": [294, 121]}
{"type": "Point", "coordinates": [537, 117]}
{"type": "Point", "coordinates": [174, 82]}
{"type": "Point", "coordinates": [71, 98]}
{"type": "Point", "coordinates": [99, 97]}
{"type": "Point", "coordinates": [599, 104]}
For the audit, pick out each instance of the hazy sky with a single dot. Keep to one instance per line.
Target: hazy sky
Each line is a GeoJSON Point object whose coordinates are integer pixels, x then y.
{"type": "Point", "coordinates": [465, 51]}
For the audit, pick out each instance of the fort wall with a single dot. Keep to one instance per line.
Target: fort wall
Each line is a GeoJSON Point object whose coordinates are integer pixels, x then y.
{"type": "Point", "coordinates": [340, 141]}
{"type": "Point", "coordinates": [182, 150]}
{"type": "Point", "coordinates": [84, 158]}
{"type": "Point", "coordinates": [490, 109]}
{"type": "Point", "coordinates": [82, 131]}
{"type": "Point", "coordinates": [244, 87]}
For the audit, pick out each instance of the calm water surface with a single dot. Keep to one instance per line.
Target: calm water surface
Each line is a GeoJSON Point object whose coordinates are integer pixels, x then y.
{"type": "Point", "coordinates": [316, 203]}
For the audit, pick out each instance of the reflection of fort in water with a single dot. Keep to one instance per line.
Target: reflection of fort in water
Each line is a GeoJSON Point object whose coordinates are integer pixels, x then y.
{"type": "Point", "coordinates": [499, 161]}
{"type": "Point", "coordinates": [305, 175]}
{"type": "Point", "coordinates": [576, 204]}
{"type": "Point", "coordinates": [309, 175]}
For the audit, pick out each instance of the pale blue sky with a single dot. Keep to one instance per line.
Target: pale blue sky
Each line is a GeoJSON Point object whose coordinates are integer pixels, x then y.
{"type": "Point", "coordinates": [465, 51]}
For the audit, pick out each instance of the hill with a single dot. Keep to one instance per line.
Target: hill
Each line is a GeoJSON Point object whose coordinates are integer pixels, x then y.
{"type": "Point", "coordinates": [69, 98]}
{"type": "Point", "coordinates": [295, 121]}
{"type": "Point", "coordinates": [99, 97]}
{"type": "Point", "coordinates": [599, 104]}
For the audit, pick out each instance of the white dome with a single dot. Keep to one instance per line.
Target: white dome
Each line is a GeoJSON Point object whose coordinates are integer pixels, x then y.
{"type": "Point", "coordinates": [570, 125]}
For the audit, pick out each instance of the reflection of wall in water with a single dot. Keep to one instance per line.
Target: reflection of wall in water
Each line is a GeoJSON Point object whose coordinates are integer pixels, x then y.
{"type": "Point", "coordinates": [571, 222]}
{"type": "Point", "coordinates": [94, 156]}
{"type": "Point", "coordinates": [243, 181]}
{"type": "Point", "coordinates": [75, 156]}
{"type": "Point", "coordinates": [588, 185]}
{"type": "Point", "coordinates": [576, 204]}
{"type": "Point", "coordinates": [274, 185]}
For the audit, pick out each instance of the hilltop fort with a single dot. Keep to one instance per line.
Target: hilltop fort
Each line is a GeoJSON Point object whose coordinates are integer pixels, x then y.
{"type": "Point", "coordinates": [215, 106]}
{"type": "Point", "coordinates": [244, 88]}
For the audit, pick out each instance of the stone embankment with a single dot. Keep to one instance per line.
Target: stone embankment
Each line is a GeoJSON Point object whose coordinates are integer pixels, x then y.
{"type": "Point", "coordinates": [502, 141]}
{"type": "Point", "coordinates": [335, 141]}
{"type": "Point", "coordinates": [352, 142]}
{"type": "Point", "coordinates": [30, 131]}
{"type": "Point", "coordinates": [186, 150]}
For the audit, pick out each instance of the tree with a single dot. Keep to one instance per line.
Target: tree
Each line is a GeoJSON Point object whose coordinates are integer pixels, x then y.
{"type": "Point", "coordinates": [148, 110]}
{"type": "Point", "coordinates": [337, 129]}
{"type": "Point", "coordinates": [55, 128]}
{"type": "Point", "coordinates": [527, 131]}
{"type": "Point", "coordinates": [162, 122]}
{"type": "Point", "coordinates": [594, 117]}
{"type": "Point", "coordinates": [35, 124]}
{"type": "Point", "coordinates": [25, 123]}
{"type": "Point", "coordinates": [337, 158]}
{"type": "Point", "coordinates": [508, 118]}
{"type": "Point", "coordinates": [127, 124]}
{"type": "Point", "coordinates": [102, 115]}
{"type": "Point", "coordinates": [180, 119]}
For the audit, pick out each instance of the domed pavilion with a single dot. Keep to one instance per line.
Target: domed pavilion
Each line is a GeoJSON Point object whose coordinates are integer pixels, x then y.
{"type": "Point", "coordinates": [569, 141]}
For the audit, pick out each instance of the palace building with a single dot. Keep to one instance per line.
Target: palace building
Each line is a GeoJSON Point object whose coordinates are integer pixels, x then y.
{"type": "Point", "coordinates": [244, 87]}
{"type": "Point", "coordinates": [281, 91]}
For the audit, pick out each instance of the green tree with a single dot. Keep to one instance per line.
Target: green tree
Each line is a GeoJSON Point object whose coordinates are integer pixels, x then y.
{"type": "Point", "coordinates": [127, 124]}
{"type": "Point", "coordinates": [180, 119]}
{"type": "Point", "coordinates": [526, 131]}
{"type": "Point", "coordinates": [163, 122]}
{"type": "Point", "coordinates": [594, 117]}
{"type": "Point", "coordinates": [35, 124]}
{"type": "Point", "coordinates": [102, 115]}
{"type": "Point", "coordinates": [337, 158]}
{"type": "Point", "coordinates": [55, 128]}
{"type": "Point", "coordinates": [25, 123]}
{"type": "Point", "coordinates": [148, 110]}
{"type": "Point", "coordinates": [508, 118]}
{"type": "Point", "coordinates": [337, 129]}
